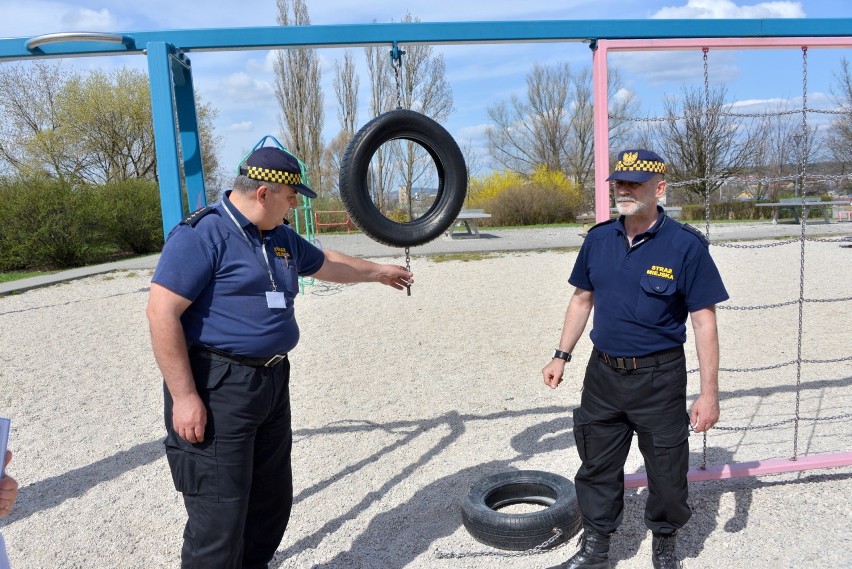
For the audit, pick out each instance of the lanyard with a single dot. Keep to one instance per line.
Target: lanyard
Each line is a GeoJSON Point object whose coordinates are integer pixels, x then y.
{"type": "Point", "coordinates": [246, 237]}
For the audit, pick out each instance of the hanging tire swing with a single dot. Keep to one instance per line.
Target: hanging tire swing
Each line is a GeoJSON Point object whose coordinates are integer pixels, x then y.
{"type": "Point", "coordinates": [403, 124]}
{"type": "Point", "coordinates": [559, 521]}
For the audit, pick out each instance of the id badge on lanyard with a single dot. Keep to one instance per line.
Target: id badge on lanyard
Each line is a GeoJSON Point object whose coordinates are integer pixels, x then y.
{"type": "Point", "coordinates": [274, 297]}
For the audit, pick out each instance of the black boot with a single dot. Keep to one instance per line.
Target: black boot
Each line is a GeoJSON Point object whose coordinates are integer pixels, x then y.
{"type": "Point", "coordinates": [593, 554]}
{"type": "Point", "coordinates": [665, 556]}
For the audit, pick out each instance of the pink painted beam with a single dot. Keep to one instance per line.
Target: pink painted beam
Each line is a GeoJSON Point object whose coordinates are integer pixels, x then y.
{"type": "Point", "coordinates": [600, 112]}
{"type": "Point", "coordinates": [755, 468]}
{"type": "Point", "coordinates": [726, 43]}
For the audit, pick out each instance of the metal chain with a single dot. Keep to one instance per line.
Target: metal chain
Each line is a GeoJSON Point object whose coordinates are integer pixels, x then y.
{"type": "Point", "coordinates": [763, 115]}
{"type": "Point", "coordinates": [784, 422]}
{"type": "Point", "coordinates": [802, 172]}
{"type": "Point", "coordinates": [408, 268]}
{"type": "Point", "coordinates": [396, 63]}
{"type": "Point", "coordinates": [439, 554]}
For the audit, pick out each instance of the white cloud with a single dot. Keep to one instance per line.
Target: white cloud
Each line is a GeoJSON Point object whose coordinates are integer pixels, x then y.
{"type": "Point", "coordinates": [242, 126]}
{"type": "Point", "coordinates": [83, 19]}
{"type": "Point", "coordinates": [703, 9]}
{"type": "Point", "coordinates": [774, 102]}
{"type": "Point", "coordinates": [244, 87]}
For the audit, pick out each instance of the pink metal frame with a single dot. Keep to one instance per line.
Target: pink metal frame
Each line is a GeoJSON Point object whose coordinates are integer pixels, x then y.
{"type": "Point", "coordinates": [602, 212]}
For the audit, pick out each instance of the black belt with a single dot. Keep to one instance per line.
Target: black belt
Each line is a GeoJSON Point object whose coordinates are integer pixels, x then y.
{"type": "Point", "coordinates": [628, 363]}
{"type": "Point", "coordinates": [222, 355]}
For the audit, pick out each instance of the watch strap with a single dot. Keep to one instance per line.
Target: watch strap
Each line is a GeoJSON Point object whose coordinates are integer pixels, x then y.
{"type": "Point", "coordinates": [562, 355]}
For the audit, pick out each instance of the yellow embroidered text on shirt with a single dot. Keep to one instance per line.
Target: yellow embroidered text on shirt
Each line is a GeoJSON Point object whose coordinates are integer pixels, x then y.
{"type": "Point", "coordinates": [657, 271]}
{"type": "Point", "coordinates": [282, 252]}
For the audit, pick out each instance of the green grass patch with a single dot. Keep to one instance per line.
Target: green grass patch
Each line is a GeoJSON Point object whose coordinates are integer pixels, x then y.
{"type": "Point", "coordinates": [18, 275]}
{"type": "Point", "coordinates": [469, 256]}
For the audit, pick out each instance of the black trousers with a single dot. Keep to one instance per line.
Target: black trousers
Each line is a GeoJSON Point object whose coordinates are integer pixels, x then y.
{"type": "Point", "coordinates": [616, 403]}
{"type": "Point", "coordinates": [237, 485]}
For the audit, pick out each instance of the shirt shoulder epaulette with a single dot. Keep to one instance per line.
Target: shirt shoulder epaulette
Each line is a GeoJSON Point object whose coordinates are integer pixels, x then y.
{"type": "Point", "coordinates": [694, 231]}
{"type": "Point", "coordinates": [602, 223]}
{"type": "Point", "coordinates": [195, 216]}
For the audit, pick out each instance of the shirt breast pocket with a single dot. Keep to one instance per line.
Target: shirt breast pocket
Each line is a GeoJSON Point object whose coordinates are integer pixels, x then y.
{"type": "Point", "coordinates": [287, 268]}
{"type": "Point", "coordinates": [656, 299]}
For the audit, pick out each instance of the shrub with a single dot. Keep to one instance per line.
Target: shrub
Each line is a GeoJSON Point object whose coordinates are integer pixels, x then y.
{"type": "Point", "coordinates": [48, 224]}
{"type": "Point", "coordinates": [129, 215]}
{"type": "Point", "coordinates": [545, 197]}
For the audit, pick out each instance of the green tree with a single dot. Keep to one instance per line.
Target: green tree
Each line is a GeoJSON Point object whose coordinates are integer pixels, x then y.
{"type": "Point", "coordinates": [92, 127]}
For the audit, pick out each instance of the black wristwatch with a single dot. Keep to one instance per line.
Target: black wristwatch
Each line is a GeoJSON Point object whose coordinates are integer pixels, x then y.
{"type": "Point", "coordinates": [561, 355]}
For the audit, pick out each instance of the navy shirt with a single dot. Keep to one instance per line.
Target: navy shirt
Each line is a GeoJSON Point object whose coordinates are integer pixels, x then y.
{"type": "Point", "coordinates": [206, 259]}
{"type": "Point", "coordinates": [644, 293]}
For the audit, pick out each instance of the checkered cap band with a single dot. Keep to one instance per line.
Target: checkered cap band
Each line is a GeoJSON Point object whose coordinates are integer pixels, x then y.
{"type": "Point", "coordinates": [275, 176]}
{"type": "Point", "coordinates": [641, 166]}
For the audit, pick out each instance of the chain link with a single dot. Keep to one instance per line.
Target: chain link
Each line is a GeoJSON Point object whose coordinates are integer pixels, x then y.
{"type": "Point", "coordinates": [440, 554]}
{"type": "Point", "coordinates": [707, 123]}
{"type": "Point", "coordinates": [408, 268]}
{"type": "Point", "coordinates": [397, 69]}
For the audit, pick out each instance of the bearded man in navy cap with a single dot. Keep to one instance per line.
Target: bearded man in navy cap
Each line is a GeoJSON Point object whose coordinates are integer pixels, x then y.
{"type": "Point", "coordinates": [643, 274]}
{"type": "Point", "coordinates": [222, 320]}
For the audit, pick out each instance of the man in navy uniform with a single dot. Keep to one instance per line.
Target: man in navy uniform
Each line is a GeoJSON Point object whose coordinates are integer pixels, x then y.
{"type": "Point", "coordinates": [643, 273]}
{"type": "Point", "coordinates": [221, 314]}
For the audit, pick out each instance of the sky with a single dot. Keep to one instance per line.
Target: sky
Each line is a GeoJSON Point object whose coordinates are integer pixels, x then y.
{"type": "Point", "coordinates": [240, 84]}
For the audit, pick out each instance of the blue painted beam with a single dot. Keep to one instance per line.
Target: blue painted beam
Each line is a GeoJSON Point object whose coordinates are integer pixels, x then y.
{"type": "Point", "coordinates": [190, 143]}
{"type": "Point", "coordinates": [165, 129]}
{"type": "Point", "coordinates": [270, 37]}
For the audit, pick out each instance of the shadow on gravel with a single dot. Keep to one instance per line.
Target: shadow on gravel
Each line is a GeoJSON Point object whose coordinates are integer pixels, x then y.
{"type": "Point", "coordinates": [396, 537]}
{"type": "Point", "coordinates": [705, 499]}
{"type": "Point", "coordinates": [51, 492]}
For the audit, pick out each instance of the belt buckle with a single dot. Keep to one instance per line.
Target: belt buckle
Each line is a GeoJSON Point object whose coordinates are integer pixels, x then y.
{"type": "Point", "coordinates": [620, 363]}
{"type": "Point", "coordinates": [275, 360]}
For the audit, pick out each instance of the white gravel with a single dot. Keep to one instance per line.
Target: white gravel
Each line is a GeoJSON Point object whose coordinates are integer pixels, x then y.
{"type": "Point", "coordinates": [401, 403]}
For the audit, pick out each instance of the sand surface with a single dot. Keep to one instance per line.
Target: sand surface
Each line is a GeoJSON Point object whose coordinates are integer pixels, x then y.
{"type": "Point", "coordinates": [401, 403]}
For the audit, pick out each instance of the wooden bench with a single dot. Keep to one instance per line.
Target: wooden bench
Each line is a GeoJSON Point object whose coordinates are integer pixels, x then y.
{"type": "Point", "coordinates": [467, 217]}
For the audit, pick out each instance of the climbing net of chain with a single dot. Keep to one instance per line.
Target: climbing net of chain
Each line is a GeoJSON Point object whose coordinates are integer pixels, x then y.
{"type": "Point", "coordinates": [799, 178]}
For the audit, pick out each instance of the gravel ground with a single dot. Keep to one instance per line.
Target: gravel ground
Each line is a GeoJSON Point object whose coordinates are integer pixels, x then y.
{"type": "Point", "coordinates": [401, 403]}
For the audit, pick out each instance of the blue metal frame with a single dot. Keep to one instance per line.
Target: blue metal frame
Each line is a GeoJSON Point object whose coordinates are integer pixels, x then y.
{"type": "Point", "coordinates": [173, 99]}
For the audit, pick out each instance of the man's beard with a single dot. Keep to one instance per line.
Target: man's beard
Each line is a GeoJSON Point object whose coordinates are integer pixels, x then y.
{"type": "Point", "coordinates": [629, 206]}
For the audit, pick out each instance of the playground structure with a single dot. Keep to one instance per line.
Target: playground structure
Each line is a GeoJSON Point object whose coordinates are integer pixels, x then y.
{"type": "Point", "coordinates": [173, 101]}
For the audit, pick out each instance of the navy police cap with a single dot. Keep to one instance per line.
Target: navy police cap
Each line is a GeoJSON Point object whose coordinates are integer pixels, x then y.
{"type": "Point", "coordinates": [276, 165]}
{"type": "Point", "coordinates": [637, 165]}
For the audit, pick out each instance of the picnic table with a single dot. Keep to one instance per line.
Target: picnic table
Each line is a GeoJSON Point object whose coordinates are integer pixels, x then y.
{"type": "Point", "coordinates": [796, 204]}
{"type": "Point", "coordinates": [467, 217]}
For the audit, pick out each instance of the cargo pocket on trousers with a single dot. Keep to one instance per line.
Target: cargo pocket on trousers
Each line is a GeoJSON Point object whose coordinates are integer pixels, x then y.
{"type": "Point", "coordinates": [671, 451]}
{"type": "Point", "coordinates": [580, 432]}
{"type": "Point", "coordinates": [193, 466]}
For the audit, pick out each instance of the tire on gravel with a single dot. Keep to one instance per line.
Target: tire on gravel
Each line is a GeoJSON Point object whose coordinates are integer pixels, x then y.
{"type": "Point", "coordinates": [521, 531]}
{"type": "Point", "coordinates": [449, 162]}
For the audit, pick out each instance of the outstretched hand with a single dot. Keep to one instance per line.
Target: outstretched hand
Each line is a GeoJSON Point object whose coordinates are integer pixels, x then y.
{"type": "Point", "coordinates": [395, 276]}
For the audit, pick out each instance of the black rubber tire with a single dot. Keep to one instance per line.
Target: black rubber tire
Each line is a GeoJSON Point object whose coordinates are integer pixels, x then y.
{"type": "Point", "coordinates": [452, 178]}
{"type": "Point", "coordinates": [521, 531]}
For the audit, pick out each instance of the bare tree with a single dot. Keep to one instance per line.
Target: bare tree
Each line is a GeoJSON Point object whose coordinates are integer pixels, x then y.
{"type": "Point", "coordinates": [423, 87]}
{"type": "Point", "coordinates": [381, 100]}
{"type": "Point", "coordinates": [29, 139]}
{"type": "Point", "coordinates": [554, 125]}
{"type": "Point", "coordinates": [703, 143]}
{"type": "Point", "coordinates": [839, 137]}
{"type": "Point", "coordinates": [300, 98]}
{"type": "Point", "coordinates": [346, 84]}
